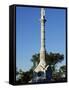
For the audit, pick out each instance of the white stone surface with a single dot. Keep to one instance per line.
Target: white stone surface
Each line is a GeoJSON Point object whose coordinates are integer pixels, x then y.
{"type": "Point", "coordinates": [42, 64]}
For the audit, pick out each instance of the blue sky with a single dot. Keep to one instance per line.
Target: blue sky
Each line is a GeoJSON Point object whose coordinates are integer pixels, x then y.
{"type": "Point", "coordinates": [28, 34]}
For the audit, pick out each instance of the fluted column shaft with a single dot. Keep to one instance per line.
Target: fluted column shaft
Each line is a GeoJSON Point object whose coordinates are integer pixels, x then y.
{"type": "Point", "coordinates": [42, 50]}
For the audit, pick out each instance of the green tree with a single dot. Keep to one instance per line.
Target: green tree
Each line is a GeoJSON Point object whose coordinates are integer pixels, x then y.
{"type": "Point", "coordinates": [62, 71]}
{"type": "Point", "coordinates": [35, 60]}
{"type": "Point", "coordinates": [24, 77]}
{"type": "Point", "coordinates": [62, 68]}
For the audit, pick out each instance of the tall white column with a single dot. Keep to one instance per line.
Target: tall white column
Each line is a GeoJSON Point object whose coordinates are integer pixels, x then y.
{"type": "Point", "coordinates": [42, 64]}
{"type": "Point", "coordinates": [42, 50]}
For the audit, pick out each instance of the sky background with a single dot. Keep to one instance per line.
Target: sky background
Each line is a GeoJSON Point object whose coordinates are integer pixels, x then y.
{"type": "Point", "coordinates": [28, 34]}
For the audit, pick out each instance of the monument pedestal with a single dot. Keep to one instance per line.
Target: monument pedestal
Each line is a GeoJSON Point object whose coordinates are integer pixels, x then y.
{"type": "Point", "coordinates": [39, 74]}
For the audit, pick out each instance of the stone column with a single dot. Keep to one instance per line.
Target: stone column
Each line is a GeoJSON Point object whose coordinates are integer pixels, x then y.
{"type": "Point", "coordinates": [42, 64]}
{"type": "Point", "coordinates": [42, 50]}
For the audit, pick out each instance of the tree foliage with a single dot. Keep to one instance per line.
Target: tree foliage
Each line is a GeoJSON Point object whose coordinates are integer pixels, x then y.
{"type": "Point", "coordinates": [24, 77]}
{"type": "Point", "coordinates": [51, 59]}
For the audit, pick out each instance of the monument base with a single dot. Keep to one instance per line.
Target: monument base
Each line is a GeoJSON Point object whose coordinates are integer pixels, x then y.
{"type": "Point", "coordinates": [42, 76]}
{"type": "Point", "coordinates": [39, 77]}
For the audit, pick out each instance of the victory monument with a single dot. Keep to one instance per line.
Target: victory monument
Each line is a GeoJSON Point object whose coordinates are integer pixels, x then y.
{"type": "Point", "coordinates": [40, 70]}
